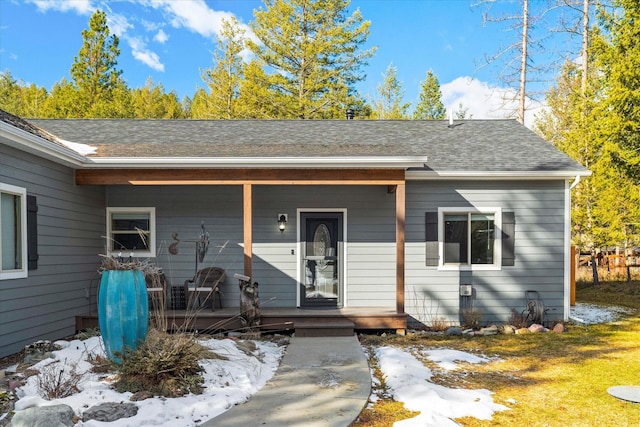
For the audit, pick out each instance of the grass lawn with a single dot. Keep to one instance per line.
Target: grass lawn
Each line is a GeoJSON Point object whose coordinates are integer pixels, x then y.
{"type": "Point", "coordinates": [555, 379]}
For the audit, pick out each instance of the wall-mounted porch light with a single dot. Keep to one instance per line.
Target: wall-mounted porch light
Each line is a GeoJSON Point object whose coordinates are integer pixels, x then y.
{"type": "Point", "coordinates": [282, 222]}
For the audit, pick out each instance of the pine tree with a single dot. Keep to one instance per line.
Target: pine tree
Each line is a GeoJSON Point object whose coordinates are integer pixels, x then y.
{"type": "Point", "coordinates": [617, 120]}
{"type": "Point", "coordinates": [224, 79]}
{"type": "Point", "coordinates": [313, 50]}
{"type": "Point", "coordinates": [151, 102]}
{"type": "Point", "coordinates": [430, 106]}
{"type": "Point", "coordinates": [62, 103]}
{"type": "Point", "coordinates": [389, 103]}
{"type": "Point", "coordinates": [94, 72]}
{"type": "Point", "coordinates": [10, 99]}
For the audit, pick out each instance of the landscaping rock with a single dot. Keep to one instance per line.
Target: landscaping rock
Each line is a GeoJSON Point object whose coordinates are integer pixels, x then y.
{"type": "Point", "coordinates": [508, 329]}
{"type": "Point", "coordinates": [523, 331]}
{"type": "Point", "coordinates": [110, 411]}
{"type": "Point", "coordinates": [468, 332]}
{"type": "Point", "coordinates": [38, 351]}
{"type": "Point", "coordinates": [454, 331]}
{"type": "Point", "coordinates": [141, 395]}
{"type": "Point", "coordinates": [490, 330]}
{"type": "Point", "coordinates": [44, 416]}
{"type": "Point", "coordinates": [536, 328]}
{"type": "Point", "coordinates": [558, 328]}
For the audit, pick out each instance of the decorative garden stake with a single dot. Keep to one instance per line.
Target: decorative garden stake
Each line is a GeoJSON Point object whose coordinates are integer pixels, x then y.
{"type": "Point", "coordinates": [123, 310]}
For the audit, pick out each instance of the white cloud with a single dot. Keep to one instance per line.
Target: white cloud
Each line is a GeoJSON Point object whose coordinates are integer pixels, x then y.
{"type": "Point", "coordinates": [484, 101]}
{"type": "Point", "coordinates": [118, 24]}
{"type": "Point", "coordinates": [161, 37]}
{"type": "Point", "coordinates": [83, 7]}
{"type": "Point", "coordinates": [140, 52]}
{"type": "Point", "coordinates": [194, 15]}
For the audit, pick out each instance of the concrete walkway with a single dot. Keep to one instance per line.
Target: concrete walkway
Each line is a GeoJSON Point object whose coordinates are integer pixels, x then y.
{"type": "Point", "coordinates": [321, 382]}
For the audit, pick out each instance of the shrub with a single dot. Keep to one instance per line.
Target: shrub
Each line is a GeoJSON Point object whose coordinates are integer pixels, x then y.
{"type": "Point", "coordinates": [471, 317]}
{"type": "Point", "coordinates": [55, 383]}
{"type": "Point", "coordinates": [518, 320]}
{"type": "Point", "coordinates": [165, 365]}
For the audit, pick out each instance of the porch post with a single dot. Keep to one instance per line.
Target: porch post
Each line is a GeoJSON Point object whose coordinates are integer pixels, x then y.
{"type": "Point", "coordinates": [248, 229]}
{"type": "Point", "coordinates": [400, 240]}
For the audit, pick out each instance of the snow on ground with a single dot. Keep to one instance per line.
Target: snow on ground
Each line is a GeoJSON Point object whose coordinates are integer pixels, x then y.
{"type": "Point", "coordinates": [446, 358]}
{"type": "Point", "coordinates": [233, 381]}
{"type": "Point", "coordinates": [409, 382]}
{"type": "Point", "coordinates": [590, 314]}
{"type": "Point", "coordinates": [408, 379]}
{"type": "Point", "coordinates": [228, 382]}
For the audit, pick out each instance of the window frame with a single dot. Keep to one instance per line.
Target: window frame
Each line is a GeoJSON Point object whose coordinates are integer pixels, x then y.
{"type": "Point", "coordinates": [497, 242]}
{"type": "Point", "coordinates": [23, 271]}
{"type": "Point", "coordinates": [151, 211]}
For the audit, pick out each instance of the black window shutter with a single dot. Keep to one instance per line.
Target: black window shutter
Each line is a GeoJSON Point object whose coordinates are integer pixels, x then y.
{"type": "Point", "coordinates": [431, 238]}
{"type": "Point", "coordinates": [508, 238]}
{"type": "Point", "coordinates": [32, 232]}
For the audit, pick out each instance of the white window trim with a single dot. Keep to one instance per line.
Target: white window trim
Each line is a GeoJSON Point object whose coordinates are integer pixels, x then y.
{"type": "Point", "coordinates": [22, 272]}
{"type": "Point", "coordinates": [497, 264]}
{"type": "Point", "coordinates": [151, 253]}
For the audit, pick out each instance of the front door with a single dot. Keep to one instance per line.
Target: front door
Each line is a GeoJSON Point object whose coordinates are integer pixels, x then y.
{"type": "Point", "coordinates": [322, 247]}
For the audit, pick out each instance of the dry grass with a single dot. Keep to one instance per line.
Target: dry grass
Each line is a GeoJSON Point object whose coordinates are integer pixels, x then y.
{"type": "Point", "coordinates": [555, 379]}
{"type": "Point", "coordinates": [164, 364]}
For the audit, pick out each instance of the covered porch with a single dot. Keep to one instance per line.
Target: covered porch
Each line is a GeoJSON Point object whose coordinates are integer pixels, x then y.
{"type": "Point", "coordinates": [363, 316]}
{"type": "Point", "coordinates": [276, 319]}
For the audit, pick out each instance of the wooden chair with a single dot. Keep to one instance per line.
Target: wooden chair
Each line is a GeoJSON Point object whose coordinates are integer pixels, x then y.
{"type": "Point", "coordinates": [207, 283]}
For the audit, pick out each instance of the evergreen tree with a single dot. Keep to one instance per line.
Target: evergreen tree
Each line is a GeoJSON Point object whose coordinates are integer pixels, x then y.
{"type": "Point", "coordinates": [10, 99]}
{"type": "Point", "coordinates": [94, 72]}
{"type": "Point", "coordinates": [62, 103]}
{"type": "Point", "coordinates": [568, 124]}
{"type": "Point", "coordinates": [617, 54]}
{"type": "Point", "coordinates": [461, 113]}
{"type": "Point", "coordinates": [313, 50]}
{"type": "Point", "coordinates": [224, 79]}
{"type": "Point", "coordinates": [430, 106]}
{"type": "Point", "coordinates": [389, 103]}
{"type": "Point", "coordinates": [151, 102]}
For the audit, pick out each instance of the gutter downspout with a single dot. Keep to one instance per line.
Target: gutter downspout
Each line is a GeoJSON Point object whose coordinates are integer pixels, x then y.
{"type": "Point", "coordinates": [567, 245]}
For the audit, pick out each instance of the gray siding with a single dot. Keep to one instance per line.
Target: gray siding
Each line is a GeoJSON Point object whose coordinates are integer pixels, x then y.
{"type": "Point", "coordinates": [539, 249]}
{"type": "Point", "coordinates": [70, 230]}
{"type": "Point", "coordinates": [370, 235]}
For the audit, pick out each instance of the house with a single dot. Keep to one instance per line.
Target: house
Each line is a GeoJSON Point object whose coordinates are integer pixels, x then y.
{"type": "Point", "coordinates": [413, 220]}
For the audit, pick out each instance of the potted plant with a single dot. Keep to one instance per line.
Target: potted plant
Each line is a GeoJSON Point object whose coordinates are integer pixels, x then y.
{"type": "Point", "coordinates": [123, 310]}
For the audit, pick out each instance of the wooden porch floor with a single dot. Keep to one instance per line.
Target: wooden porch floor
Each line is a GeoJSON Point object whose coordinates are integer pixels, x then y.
{"type": "Point", "coordinates": [274, 319]}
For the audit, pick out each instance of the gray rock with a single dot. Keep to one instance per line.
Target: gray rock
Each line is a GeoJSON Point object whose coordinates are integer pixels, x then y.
{"type": "Point", "coordinates": [110, 411]}
{"type": "Point", "coordinates": [454, 331]}
{"type": "Point", "coordinates": [44, 416]}
{"type": "Point", "coordinates": [490, 330]}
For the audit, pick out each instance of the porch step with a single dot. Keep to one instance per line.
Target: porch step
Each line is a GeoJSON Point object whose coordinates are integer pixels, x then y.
{"type": "Point", "coordinates": [324, 328]}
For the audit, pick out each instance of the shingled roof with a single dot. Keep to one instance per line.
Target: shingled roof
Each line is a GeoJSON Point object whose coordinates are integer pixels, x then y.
{"type": "Point", "coordinates": [465, 146]}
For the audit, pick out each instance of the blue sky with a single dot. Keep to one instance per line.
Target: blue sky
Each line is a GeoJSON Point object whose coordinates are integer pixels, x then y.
{"type": "Point", "coordinates": [172, 40]}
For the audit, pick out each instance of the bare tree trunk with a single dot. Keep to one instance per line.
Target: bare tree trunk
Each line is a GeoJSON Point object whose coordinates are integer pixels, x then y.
{"type": "Point", "coordinates": [523, 61]}
{"type": "Point", "coordinates": [585, 47]}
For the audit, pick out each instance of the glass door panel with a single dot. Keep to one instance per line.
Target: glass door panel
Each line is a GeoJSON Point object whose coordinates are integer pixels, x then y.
{"type": "Point", "coordinates": [321, 236]}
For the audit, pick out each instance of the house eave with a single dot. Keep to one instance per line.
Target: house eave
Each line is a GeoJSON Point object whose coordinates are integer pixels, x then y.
{"type": "Point", "coordinates": [28, 142]}
{"type": "Point", "coordinates": [373, 162]}
{"type": "Point", "coordinates": [415, 175]}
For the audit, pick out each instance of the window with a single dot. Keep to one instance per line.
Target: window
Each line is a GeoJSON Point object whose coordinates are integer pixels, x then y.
{"type": "Point", "coordinates": [131, 231]}
{"type": "Point", "coordinates": [13, 230]}
{"type": "Point", "coordinates": [470, 239]}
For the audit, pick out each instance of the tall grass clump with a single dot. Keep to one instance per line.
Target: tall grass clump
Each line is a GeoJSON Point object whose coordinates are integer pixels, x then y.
{"type": "Point", "coordinates": [165, 365]}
